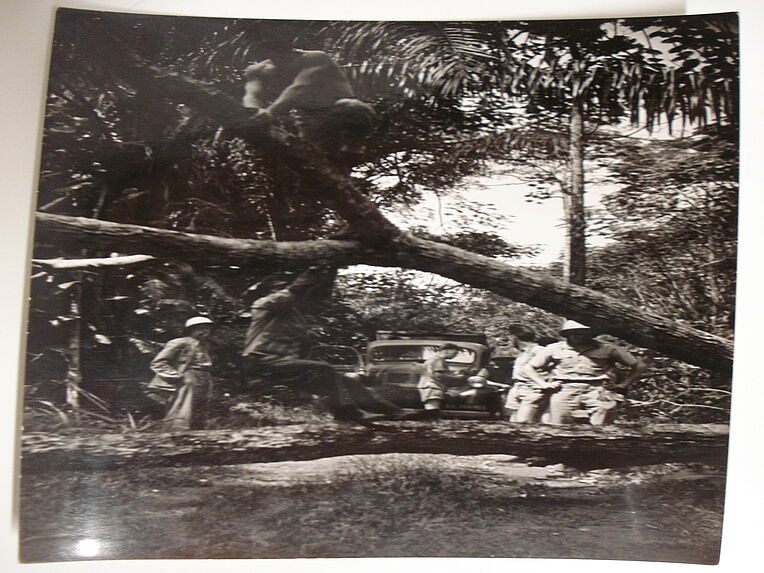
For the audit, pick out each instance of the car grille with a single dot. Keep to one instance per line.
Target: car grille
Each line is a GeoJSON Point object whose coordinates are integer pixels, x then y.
{"type": "Point", "coordinates": [398, 378]}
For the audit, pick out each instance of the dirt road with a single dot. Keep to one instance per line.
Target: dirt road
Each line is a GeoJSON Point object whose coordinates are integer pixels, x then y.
{"type": "Point", "coordinates": [400, 505]}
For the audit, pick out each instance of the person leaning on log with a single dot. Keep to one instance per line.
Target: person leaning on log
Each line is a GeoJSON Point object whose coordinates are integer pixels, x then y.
{"type": "Point", "coordinates": [527, 399]}
{"type": "Point", "coordinates": [278, 338]}
{"type": "Point", "coordinates": [182, 381]}
{"type": "Point", "coordinates": [435, 378]}
{"type": "Point", "coordinates": [581, 366]}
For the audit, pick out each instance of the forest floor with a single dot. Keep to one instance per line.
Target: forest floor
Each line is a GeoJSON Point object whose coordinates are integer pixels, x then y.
{"type": "Point", "coordinates": [385, 505]}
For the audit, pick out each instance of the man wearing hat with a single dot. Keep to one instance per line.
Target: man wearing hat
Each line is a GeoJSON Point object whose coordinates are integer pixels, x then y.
{"type": "Point", "coordinates": [581, 366]}
{"type": "Point", "coordinates": [182, 380]}
{"type": "Point", "coordinates": [278, 338]}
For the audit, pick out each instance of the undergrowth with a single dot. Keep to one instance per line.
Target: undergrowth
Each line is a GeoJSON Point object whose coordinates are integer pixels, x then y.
{"type": "Point", "coordinates": [226, 412]}
{"type": "Point", "coordinates": [431, 509]}
{"type": "Point", "coordinates": [697, 505]}
{"type": "Point", "coordinates": [379, 507]}
{"type": "Point", "coordinates": [382, 503]}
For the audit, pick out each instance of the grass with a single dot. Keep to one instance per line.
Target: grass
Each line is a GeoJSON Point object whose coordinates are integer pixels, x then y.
{"type": "Point", "coordinates": [391, 507]}
{"type": "Point", "coordinates": [378, 507]}
{"type": "Point", "coordinates": [226, 413]}
{"type": "Point", "coordinates": [267, 413]}
{"type": "Point", "coordinates": [695, 506]}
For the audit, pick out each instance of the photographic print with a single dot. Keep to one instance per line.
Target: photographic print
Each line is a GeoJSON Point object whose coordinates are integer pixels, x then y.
{"type": "Point", "coordinates": [327, 289]}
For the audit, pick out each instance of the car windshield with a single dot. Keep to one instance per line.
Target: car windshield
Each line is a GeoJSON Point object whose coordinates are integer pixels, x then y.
{"type": "Point", "coordinates": [410, 353]}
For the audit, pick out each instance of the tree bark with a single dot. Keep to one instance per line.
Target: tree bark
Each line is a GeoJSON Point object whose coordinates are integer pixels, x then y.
{"type": "Point", "coordinates": [584, 447]}
{"type": "Point", "coordinates": [70, 234]}
{"type": "Point", "coordinates": [575, 215]}
{"type": "Point", "coordinates": [537, 289]}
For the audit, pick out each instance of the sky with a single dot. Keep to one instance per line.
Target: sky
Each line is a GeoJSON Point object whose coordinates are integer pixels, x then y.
{"type": "Point", "coordinates": [520, 221]}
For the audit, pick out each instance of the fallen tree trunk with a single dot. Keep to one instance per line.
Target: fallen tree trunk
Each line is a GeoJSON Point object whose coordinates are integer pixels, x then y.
{"type": "Point", "coordinates": [584, 447]}
{"type": "Point", "coordinates": [590, 307]}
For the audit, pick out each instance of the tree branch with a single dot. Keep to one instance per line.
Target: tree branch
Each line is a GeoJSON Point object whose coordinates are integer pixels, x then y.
{"type": "Point", "coordinates": [71, 234]}
{"type": "Point", "coordinates": [92, 263]}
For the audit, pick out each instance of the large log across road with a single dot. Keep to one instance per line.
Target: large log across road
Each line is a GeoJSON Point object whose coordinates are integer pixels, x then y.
{"type": "Point", "coordinates": [584, 447]}
{"type": "Point", "coordinates": [605, 313]}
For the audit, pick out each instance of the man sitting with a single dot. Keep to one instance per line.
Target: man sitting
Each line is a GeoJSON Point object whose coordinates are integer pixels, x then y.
{"type": "Point", "coordinates": [435, 378]}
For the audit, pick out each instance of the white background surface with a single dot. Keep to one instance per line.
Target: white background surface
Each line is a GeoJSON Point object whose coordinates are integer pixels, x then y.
{"type": "Point", "coordinates": [25, 31]}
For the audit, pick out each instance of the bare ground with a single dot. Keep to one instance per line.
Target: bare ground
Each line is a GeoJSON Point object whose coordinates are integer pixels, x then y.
{"type": "Point", "coordinates": [388, 505]}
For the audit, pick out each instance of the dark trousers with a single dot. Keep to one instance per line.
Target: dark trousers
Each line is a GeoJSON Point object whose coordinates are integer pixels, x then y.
{"type": "Point", "coordinates": [345, 396]}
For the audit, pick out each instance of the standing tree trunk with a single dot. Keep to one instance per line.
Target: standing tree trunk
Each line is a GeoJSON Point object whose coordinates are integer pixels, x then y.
{"type": "Point", "coordinates": [73, 372]}
{"type": "Point", "coordinates": [710, 274]}
{"type": "Point", "coordinates": [573, 201]}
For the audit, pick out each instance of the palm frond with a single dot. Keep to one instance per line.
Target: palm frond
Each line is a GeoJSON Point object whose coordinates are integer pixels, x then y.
{"type": "Point", "coordinates": [445, 59]}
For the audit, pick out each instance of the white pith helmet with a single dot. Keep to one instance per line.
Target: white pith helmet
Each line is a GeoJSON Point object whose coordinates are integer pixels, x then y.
{"type": "Point", "coordinates": [571, 325]}
{"type": "Point", "coordinates": [196, 321]}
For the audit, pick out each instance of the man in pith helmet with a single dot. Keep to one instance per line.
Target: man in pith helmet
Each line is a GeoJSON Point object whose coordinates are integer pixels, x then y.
{"type": "Point", "coordinates": [183, 382]}
{"type": "Point", "coordinates": [581, 367]}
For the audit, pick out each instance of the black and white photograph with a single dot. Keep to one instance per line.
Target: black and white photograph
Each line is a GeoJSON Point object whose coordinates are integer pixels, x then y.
{"type": "Point", "coordinates": [333, 288]}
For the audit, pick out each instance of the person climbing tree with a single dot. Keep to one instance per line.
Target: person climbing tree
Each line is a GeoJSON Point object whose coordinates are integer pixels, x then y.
{"type": "Point", "coordinates": [310, 82]}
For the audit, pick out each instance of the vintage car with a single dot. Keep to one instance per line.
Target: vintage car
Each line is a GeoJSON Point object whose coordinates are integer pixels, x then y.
{"type": "Point", "coordinates": [393, 364]}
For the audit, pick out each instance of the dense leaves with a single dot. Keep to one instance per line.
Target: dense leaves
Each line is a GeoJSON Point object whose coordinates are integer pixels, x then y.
{"type": "Point", "coordinates": [674, 222]}
{"type": "Point", "coordinates": [370, 300]}
{"type": "Point", "coordinates": [594, 71]}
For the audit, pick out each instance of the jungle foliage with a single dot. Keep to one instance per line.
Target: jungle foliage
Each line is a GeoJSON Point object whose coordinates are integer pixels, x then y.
{"type": "Point", "coordinates": [124, 151]}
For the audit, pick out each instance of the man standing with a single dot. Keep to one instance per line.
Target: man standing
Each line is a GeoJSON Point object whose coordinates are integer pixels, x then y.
{"type": "Point", "coordinates": [581, 366]}
{"type": "Point", "coordinates": [436, 377]}
{"type": "Point", "coordinates": [278, 338]}
{"type": "Point", "coordinates": [527, 398]}
{"type": "Point", "coordinates": [183, 382]}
